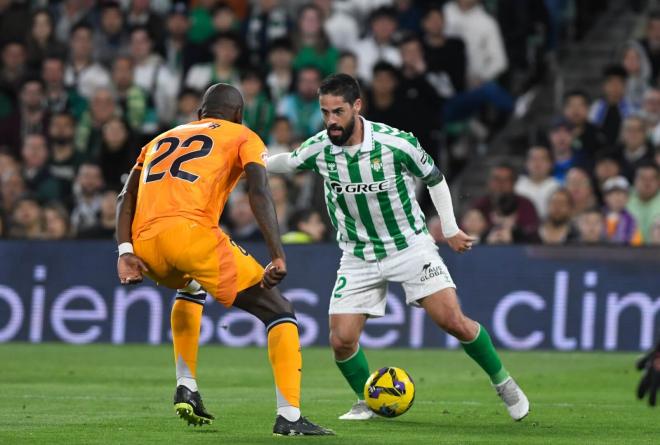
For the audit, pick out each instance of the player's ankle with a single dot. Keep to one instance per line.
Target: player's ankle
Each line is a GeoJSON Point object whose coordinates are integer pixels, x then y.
{"type": "Point", "coordinates": [290, 413]}
{"type": "Point", "coordinates": [188, 382]}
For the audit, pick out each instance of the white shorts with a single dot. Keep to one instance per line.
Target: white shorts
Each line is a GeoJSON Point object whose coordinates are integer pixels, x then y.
{"type": "Point", "coordinates": [361, 286]}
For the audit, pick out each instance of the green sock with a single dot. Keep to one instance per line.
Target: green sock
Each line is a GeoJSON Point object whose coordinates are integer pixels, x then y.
{"type": "Point", "coordinates": [483, 352]}
{"type": "Point", "coordinates": [356, 371]}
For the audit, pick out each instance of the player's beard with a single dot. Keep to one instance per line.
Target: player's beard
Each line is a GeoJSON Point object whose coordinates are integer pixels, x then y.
{"type": "Point", "coordinates": [345, 133]}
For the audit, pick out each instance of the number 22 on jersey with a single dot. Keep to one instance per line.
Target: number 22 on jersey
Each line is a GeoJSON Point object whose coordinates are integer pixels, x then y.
{"type": "Point", "coordinates": [176, 165]}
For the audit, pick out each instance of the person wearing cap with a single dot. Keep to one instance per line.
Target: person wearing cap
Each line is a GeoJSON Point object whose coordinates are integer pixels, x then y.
{"type": "Point", "coordinates": [561, 138]}
{"type": "Point", "coordinates": [620, 225]}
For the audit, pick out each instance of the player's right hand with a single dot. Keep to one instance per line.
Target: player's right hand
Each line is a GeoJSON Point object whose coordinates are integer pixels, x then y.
{"type": "Point", "coordinates": [130, 269]}
{"type": "Point", "coordinates": [650, 382]}
{"type": "Point", "coordinates": [461, 242]}
{"type": "Point", "coordinates": [274, 273]}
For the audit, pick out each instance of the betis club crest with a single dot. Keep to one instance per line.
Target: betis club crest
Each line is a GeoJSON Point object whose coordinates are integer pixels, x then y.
{"type": "Point", "coordinates": [376, 165]}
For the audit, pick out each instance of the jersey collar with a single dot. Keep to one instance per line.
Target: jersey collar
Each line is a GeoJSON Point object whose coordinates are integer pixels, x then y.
{"type": "Point", "coordinates": [367, 140]}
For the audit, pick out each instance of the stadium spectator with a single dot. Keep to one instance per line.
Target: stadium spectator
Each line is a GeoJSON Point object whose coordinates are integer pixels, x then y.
{"type": "Point", "coordinates": [224, 18]}
{"type": "Point", "coordinates": [313, 47]}
{"type": "Point", "coordinates": [111, 36]}
{"type": "Point", "coordinates": [105, 225]}
{"type": "Point", "coordinates": [579, 185]}
{"type": "Point", "coordinates": [347, 64]}
{"type": "Point", "coordinates": [14, 19]}
{"type": "Point", "coordinates": [588, 138]}
{"type": "Point", "coordinates": [30, 117]}
{"type": "Point", "coordinates": [36, 172]}
{"type": "Point", "coordinates": [279, 188]}
{"type": "Point", "coordinates": [384, 104]}
{"type": "Point", "coordinates": [267, 21]}
{"type": "Point", "coordinates": [504, 229]}
{"type": "Point", "coordinates": [537, 185]}
{"type": "Point", "coordinates": [591, 227]}
{"type": "Point", "coordinates": [501, 183]}
{"type": "Point", "coordinates": [131, 99]}
{"type": "Point", "coordinates": [117, 154]}
{"type": "Point", "coordinates": [258, 111]}
{"type": "Point", "coordinates": [82, 72]}
{"type": "Point", "coordinates": [152, 75]}
{"type": "Point", "coordinates": [12, 188]}
{"type": "Point", "coordinates": [560, 136]}
{"type": "Point", "coordinates": [379, 43]}
{"type": "Point", "coordinates": [651, 42]}
{"type": "Point", "coordinates": [445, 56]}
{"type": "Point", "coordinates": [226, 50]}
{"type": "Point", "coordinates": [140, 15]}
{"type": "Point", "coordinates": [306, 227]}
{"type": "Point", "coordinates": [69, 13]}
{"type": "Point", "coordinates": [280, 78]}
{"type": "Point", "coordinates": [187, 106]}
{"type": "Point", "coordinates": [41, 40]}
{"type": "Point", "coordinates": [638, 70]}
{"type": "Point", "coordinates": [64, 158]}
{"type": "Point", "coordinates": [607, 166]}
{"type": "Point", "coordinates": [302, 107]}
{"type": "Point", "coordinates": [103, 107]}
{"type": "Point", "coordinates": [201, 22]}
{"type": "Point", "coordinates": [635, 149]}
{"type": "Point", "coordinates": [340, 26]}
{"type": "Point", "coordinates": [474, 224]}
{"type": "Point", "coordinates": [87, 197]}
{"type": "Point", "coordinates": [620, 225]}
{"type": "Point", "coordinates": [654, 237]}
{"type": "Point", "coordinates": [644, 202]}
{"type": "Point", "coordinates": [56, 222]}
{"type": "Point", "coordinates": [243, 225]}
{"type": "Point", "coordinates": [409, 15]}
{"type": "Point", "coordinates": [59, 98]}
{"type": "Point", "coordinates": [557, 227]}
{"type": "Point", "coordinates": [26, 219]}
{"type": "Point", "coordinates": [420, 89]}
{"type": "Point", "coordinates": [280, 139]}
{"type": "Point", "coordinates": [486, 56]}
{"type": "Point", "coordinates": [608, 112]}
{"type": "Point", "coordinates": [180, 53]}
{"type": "Point", "coordinates": [650, 112]}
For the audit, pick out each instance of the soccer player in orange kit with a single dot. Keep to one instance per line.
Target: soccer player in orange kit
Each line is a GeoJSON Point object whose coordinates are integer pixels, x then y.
{"type": "Point", "coordinates": [167, 229]}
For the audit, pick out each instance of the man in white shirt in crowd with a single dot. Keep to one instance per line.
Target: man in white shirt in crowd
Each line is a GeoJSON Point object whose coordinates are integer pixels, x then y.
{"type": "Point", "coordinates": [537, 185]}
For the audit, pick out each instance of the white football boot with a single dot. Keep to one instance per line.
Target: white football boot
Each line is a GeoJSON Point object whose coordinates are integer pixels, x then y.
{"type": "Point", "coordinates": [515, 400]}
{"type": "Point", "coordinates": [359, 411]}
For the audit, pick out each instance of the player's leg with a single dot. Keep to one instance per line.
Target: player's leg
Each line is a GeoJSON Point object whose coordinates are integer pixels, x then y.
{"type": "Point", "coordinates": [359, 292]}
{"type": "Point", "coordinates": [444, 309]}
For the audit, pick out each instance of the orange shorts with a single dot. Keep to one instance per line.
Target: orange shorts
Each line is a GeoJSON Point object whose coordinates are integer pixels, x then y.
{"type": "Point", "coordinates": [187, 250]}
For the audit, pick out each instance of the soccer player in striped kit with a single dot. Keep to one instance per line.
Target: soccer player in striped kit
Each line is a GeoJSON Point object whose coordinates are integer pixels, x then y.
{"type": "Point", "coordinates": [369, 172]}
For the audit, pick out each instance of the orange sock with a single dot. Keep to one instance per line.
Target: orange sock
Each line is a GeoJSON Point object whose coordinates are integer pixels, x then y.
{"type": "Point", "coordinates": [186, 323]}
{"type": "Point", "coordinates": [286, 361]}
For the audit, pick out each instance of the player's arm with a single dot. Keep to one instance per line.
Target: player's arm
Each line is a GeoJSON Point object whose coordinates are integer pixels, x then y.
{"type": "Point", "coordinates": [129, 267]}
{"type": "Point", "coordinates": [263, 208]}
{"type": "Point", "coordinates": [280, 164]}
{"type": "Point", "coordinates": [420, 164]}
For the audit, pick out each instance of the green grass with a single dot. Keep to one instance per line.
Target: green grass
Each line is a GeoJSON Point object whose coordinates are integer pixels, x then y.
{"type": "Point", "coordinates": [122, 395]}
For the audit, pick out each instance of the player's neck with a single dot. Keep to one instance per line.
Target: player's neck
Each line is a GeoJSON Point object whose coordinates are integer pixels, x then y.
{"type": "Point", "coordinates": [358, 133]}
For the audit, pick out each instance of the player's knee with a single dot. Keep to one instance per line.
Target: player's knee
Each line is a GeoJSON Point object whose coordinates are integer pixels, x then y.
{"type": "Point", "coordinates": [342, 344]}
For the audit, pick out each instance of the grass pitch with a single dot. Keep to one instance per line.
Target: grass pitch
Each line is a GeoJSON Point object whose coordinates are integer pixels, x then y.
{"type": "Point", "coordinates": [102, 394]}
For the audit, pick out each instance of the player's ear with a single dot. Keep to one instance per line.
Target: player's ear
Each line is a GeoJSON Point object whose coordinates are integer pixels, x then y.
{"type": "Point", "coordinates": [357, 105]}
{"type": "Point", "coordinates": [238, 116]}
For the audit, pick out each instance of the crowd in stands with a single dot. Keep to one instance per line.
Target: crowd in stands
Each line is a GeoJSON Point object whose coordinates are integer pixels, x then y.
{"type": "Point", "coordinates": [85, 84]}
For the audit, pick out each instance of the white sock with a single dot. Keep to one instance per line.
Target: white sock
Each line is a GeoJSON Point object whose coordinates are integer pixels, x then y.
{"type": "Point", "coordinates": [188, 382]}
{"type": "Point", "coordinates": [290, 413]}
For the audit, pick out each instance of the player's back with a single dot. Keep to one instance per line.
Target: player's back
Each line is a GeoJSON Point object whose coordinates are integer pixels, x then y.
{"type": "Point", "coordinates": [189, 172]}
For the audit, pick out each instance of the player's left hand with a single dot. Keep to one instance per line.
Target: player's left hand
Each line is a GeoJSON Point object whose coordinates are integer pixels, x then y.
{"type": "Point", "coordinates": [130, 269]}
{"type": "Point", "coordinates": [650, 382]}
{"type": "Point", "coordinates": [274, 273]}
{"type": "Point", "coordinates": [461, 242]}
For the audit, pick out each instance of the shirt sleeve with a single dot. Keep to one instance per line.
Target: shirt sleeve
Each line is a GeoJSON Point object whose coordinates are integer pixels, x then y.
{"type": "Point", "coordinates": [416, 160]}
{"type": "Point", "coordinates": [252, 149]}
{"type": "Point", "coordinates": [139, 163]}
{"type": "Point", "coordinates": [304, 157]}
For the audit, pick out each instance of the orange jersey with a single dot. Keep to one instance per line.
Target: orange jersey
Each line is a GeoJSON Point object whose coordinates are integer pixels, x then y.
{"type": "Point", "coordinates": [190, 171]}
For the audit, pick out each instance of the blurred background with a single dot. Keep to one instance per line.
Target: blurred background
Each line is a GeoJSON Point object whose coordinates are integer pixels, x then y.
{"type": "Point", "coordinates": [544, 115]}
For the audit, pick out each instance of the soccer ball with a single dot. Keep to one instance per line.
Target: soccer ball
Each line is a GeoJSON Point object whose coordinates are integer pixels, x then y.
{"type": "Point", "coordinates": [389, 392]}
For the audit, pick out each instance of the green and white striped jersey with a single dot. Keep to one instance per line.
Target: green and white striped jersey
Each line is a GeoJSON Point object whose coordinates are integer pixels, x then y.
{"type": "Point", "coordinates": [370, 196]}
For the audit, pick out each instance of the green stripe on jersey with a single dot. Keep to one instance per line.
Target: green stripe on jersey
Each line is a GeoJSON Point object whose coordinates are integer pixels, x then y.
{"type": "Point", "coordinates": [376, 157]}
{"type": "Point", "coordinates": [349, 221]}
{"type": "Point", "coordinates": [363, 210]}
{"type": "Point", "coordinates": [403, 192]}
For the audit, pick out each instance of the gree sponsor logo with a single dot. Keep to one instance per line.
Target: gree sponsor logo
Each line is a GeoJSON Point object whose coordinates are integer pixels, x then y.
{"type": "Point", "coordinates": [360, 187]}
